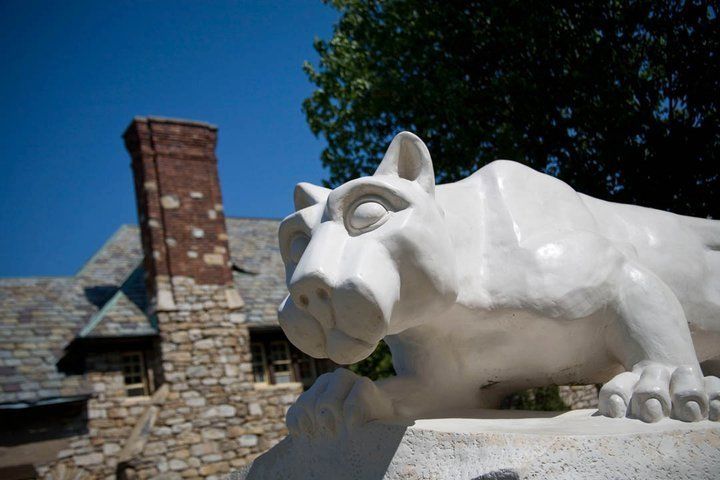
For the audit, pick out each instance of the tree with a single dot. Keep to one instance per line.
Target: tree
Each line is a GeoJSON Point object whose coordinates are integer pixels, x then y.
{"type": "Point", "coordinates": [377, 366]}
{"type": "Point", "coordinates": [618, 98]}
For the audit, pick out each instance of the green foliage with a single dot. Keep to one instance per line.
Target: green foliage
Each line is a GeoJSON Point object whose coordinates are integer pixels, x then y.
{"type": "Point", "coordinates": [543, 398]}
{"type": "Point", "coordinates": [619, 98]}
{"type": "Point", "coordinates": [378, 365]}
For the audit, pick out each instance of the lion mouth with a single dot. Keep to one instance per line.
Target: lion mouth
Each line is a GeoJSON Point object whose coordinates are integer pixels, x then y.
{"type": "Point", "coordinates": [341, 346]}
{"type": "Point", "coordinates": [355, 335]}
{"type": "Point", "coordinates": [322, 339]}
{"type": "Point", "coordinates": [345, 349]}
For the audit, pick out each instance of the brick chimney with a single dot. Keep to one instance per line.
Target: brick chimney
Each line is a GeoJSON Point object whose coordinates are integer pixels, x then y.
{"type": "Point", "coordinates": [180, 208]}
{"type": "Point", "coordinates": [201, 424]}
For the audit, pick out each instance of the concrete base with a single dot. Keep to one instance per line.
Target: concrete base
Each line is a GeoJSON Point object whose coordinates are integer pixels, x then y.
{"type": "Point", "coordinates": [501, 445]}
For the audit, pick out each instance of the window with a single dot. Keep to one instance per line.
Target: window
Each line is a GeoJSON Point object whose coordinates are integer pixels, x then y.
{"type": "Point", "coordinates": [275, 360]}
{"type": "Point", "coordinates": [280, 362]}
{"type": "Point", "coordinates": [134, 373]}
{"type": "Point", "coordinates": [276, 367]}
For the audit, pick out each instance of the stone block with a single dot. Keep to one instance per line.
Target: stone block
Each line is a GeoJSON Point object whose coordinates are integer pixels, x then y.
{"type": "Point", "coordinates": [213, 457]}
{"type": "Point", "coordinates": [220, 467]}
{"type": "Point", "coordinates": [204, 344]}
{"type": "Point", "coordinates": [177, 464]}
{"type": "Point", "coordinates": [120, 412]}
{"type": "Point", "coordinates": [233, 299]}
{"type": "Point", "coordinates": [170, 201]}
{"type": "Point", "coordinates": [89, 459]}
{"type": "Point", "coordinates": [204, 448]}
{"type": "Point", "coordinates": [213, 258]}
{"type": "Point", "coordinates": [195, 402]}
{"type": "Point", "coordinates": [213, 433]}
{"type": "Point", "coordinates": [569, 446]}
{"type": "Point", "coordinates": [155, 448]}
{"type": "Point", "coordinates": [226, 411]}
{"type": "Point", "coordinates": [179, 337]}
{"type": "Point", "coordinates": [196, 371]}
{"type": "Point", "coordinates": [111, 448]}
{"type": "Point", "coordinates": [96, 413]}
{"type": "Point", "coordinates": [248, 440]}
{"type": "Point", "coordinates": [65, 453]}
{"type": "Point", "coordinates": [182, 453]}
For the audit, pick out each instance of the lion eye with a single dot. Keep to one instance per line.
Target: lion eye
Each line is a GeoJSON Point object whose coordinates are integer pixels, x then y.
{"type": "Point", "coordinates": [297, 247]}
{"type": "Point", "coordinates": [367, 214]}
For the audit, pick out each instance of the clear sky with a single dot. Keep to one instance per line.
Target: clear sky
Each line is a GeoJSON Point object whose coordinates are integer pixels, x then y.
{"type": "Point", "coordinates": [75, 73]}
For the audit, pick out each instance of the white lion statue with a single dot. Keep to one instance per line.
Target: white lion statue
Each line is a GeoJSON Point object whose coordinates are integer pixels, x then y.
{"type": "Point", "coordinates": [506, 280]}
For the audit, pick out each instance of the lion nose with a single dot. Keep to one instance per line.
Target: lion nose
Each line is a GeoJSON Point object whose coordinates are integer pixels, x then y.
{"type": "Point", "coordinates": [312, 294]}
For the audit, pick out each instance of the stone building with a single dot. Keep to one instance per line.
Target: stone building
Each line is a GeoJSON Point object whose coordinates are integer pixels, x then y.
{"type": "Point", "coordinates": [162, 356]}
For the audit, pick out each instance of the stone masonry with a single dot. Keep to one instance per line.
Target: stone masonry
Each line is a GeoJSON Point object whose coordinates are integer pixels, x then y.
{"type": "Point", "coordinates": [577, 397]}
{"type": "Point", "coordinates": [213, 419]}
{"type": "Point", "coordinates": [110, 416]}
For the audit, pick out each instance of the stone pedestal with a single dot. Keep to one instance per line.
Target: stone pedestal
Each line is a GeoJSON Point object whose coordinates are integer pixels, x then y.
{"type": "Point", "coordinates": [503, 445]}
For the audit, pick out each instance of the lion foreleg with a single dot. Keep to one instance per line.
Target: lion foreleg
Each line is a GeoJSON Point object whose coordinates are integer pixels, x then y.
{"type": "Point", "coordinates": [651, 339]}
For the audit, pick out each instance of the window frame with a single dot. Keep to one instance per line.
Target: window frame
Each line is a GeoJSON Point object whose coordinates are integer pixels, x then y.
{"type": "Point", "coordinates": [263, 361]}
{"type": "Point", "coordinates": [295, 359]}
{"type": "Point", "coordinates": [143, 373]}
{"type": "Point", "coordinates": [288, 361]}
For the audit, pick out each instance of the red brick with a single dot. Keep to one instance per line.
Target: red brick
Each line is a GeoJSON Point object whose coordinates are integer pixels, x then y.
{"type": "Point", "coordinates": [178, 157]}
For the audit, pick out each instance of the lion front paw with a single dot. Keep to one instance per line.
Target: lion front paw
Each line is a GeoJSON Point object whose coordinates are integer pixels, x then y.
{"type": "Point", "coordinates": [653, 391]}
{"type": "Point", "coordinates": [337, 402]}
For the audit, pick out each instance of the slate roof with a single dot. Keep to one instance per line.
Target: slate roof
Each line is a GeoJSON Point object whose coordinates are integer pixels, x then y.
{"type": "Point", "coordinates": [39, 317]}
{"type": "Point", "coordinates": [261, 280]}
{"type": "Point", "coordinates": [115, 260]}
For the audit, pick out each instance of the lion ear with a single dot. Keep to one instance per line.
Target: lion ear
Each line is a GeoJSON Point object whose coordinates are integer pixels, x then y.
{"type": "Point", "coordinates": [407, 157]}
{"type": "Point", "coordinates": [307, 195]}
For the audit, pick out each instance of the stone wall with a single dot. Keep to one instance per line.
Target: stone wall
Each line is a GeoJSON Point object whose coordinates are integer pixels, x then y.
{"type": "Point", "coordinates": [579, 396]}
{"type": "Point", "coordinates": [214, 418]}
{"type": "Point", "coordinates": [110, 417]}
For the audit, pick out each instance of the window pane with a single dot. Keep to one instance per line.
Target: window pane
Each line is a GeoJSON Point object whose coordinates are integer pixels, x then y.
{"type": "Point", "coordinates": [280, 361]}
{"type": "Point", "coordinates": [257, 353]}
{"type": "Point", "coordinates": [136, 391]}
{"type": "Point", "coordinates": [283, 377]}
{"type": "Point", "coordinates": [134, 373]}
{"type": "Point", "coordinates": [281, 367]}
{"type": "Point", "coordinates": [279, 351]}
{"type": "Point", "coordinates": [259, 373]}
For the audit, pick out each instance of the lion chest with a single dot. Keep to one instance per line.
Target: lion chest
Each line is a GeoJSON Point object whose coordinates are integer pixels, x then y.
{"type": "Point", "coordinates": [512, 347]}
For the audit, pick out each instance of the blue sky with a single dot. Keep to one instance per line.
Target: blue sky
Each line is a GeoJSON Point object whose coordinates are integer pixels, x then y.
{"type": "Point", "coordinates": [74, 75]}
